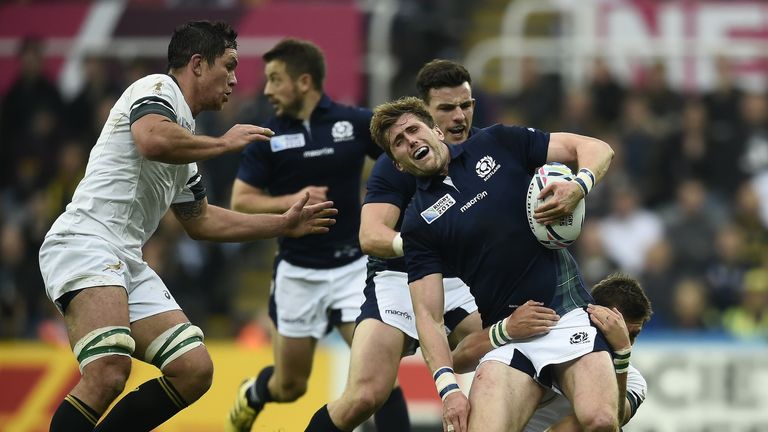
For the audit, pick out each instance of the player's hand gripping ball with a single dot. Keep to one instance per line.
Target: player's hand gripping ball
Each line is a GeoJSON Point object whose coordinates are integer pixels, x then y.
{"type": "Point", "coordinates": [565, 231]}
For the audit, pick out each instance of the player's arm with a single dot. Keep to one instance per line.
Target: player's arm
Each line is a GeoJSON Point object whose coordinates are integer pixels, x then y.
{"type": "Point", "coordinates": [591, 155]}
{"type": "Point", "coordinates": [611, 323]}
{"type": "Point", "coordinates": [528, 320]}
{"type": "Point", "coordinates": [377, 235]}
{"type": "Point", "coordinates": [250, 199]}
{"type": "Point", "coordinates": [159, 139]}
{"type": "Point", "coordinates": [207, 222]}
{"type": "Point", "coordinates": [427, 297]}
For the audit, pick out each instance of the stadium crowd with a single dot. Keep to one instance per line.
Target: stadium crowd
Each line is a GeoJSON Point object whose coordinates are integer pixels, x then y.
{"type": "Point", "coordinates": [684, 207]}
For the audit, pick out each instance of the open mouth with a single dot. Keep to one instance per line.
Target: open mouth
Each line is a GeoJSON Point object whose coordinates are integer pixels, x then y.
{"type": "Point", "coordinates": [457, 130]}
{"type": "Point", "coordinates": [420, 153]}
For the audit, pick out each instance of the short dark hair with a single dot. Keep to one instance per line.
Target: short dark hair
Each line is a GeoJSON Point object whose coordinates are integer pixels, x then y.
{"type": "Point", "coordinates": [386, 114]}
{"type": "Point", "coordinates": [300, 57]}
{"type": "Point", "coordinates": [209, 39]}
{"type": "Point", "coordinates": [440, 73]}
{"type": "Point", "coordinates": [625, 294]}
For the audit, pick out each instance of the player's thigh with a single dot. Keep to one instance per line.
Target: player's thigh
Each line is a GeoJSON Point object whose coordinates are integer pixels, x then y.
{"type": "Point", "coordinates": [502, 398]}
{"type": "Point", "coordinates": [375, 356]}
{"type": "Point", "coordinates": [589, 382]}
{"type": "Point", "coordinates": [293, 357]}
{"type": "Point", "coordinates": [95, 308]}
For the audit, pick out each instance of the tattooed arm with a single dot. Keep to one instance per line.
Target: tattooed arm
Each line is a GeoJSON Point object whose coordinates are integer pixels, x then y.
{"type": "Point", "coordinates": [209, 222]}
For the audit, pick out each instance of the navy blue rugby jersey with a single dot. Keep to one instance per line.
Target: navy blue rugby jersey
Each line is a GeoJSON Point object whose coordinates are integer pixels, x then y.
{"type": "Point", "coordinates": [389, 185]}
{"type": "Point", "coordinates": [473, 223]}
{"type": "Point", "coordinates": [331, 153]}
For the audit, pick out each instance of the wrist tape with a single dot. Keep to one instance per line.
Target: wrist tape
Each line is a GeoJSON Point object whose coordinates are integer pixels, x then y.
{"type": "Point", "coordinates": [586, 179]}
{"type": "Point", "coordinates": [621, 360]}
{"type": "Point", "coordinates": [498, 334]}
{"type": "Point", "coordinates": [445, 381]}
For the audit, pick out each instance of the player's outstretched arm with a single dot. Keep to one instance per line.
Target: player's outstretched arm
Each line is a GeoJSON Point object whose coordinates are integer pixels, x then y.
{"type": "Point", "coordinates": [159, 139]}
{"type": "Point", "coordinates": [527, 320]}
{"type": "Point", "coordinates": [250, 199]}
{"type": "Point", "coordinates": [377, 235]}
{"type": "Point", "coordinates": [427, 297]}
{"type": "Point", "coordinates": [208, 222]}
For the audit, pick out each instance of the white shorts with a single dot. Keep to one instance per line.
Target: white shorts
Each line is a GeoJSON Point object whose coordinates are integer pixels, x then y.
{"type": "Point", "coordinates": [309, 302]}
{"type": "Point", "coordinates": [388, 299]}
{"type": "Point", "coordinates": [73, 262]}
{"type": "Point", "coordinates": [571, 338]}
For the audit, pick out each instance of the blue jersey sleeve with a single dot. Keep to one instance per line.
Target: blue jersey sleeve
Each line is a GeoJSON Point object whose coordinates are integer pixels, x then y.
{"type": "Point", "coordinates": [531, 145]}
{"type": "Point", "coordinates": [387, 184]}
{"type": "Point", "coordinates": [371, 149]}
{"type": "Point", "coordinates": [421, 251]}
{"type": "Point", "coordinates": [255, 166]}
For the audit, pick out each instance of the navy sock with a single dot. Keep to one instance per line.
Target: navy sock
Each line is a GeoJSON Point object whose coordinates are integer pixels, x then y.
{"type": "Point", "coordinates": [393, 415]}
{"type": "Point", "coordinates": [73, 415]}
{"type": "Point", "coordinates": [259, 393]}
{"type": "Point", "coordinates": [321, 422]}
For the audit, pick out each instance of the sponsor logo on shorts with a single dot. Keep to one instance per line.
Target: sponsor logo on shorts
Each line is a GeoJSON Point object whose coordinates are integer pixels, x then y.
{"type": "Point", "coordinates": [114, 267]}
{"type": "Point", "coordinates": [167, 294]}
{"type": "Point", "coordinates": [405, 315]}
{"type": "Point", "coordinates": [581, 337]}
{"type": "Point", "coordinates": [473, 201]}
{"type": "Point", "coordinates": [293, 320]}
{"type": "Point", "coordinates": [438, 209]}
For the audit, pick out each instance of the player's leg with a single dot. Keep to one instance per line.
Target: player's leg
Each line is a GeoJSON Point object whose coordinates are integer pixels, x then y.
{"type": "Point", "coordinates": [298, 310]}
{"type": "Point", "coordinates": [98, 329]}
{"type": "Point", "coordinates": [367, 388]}
{"type": "Point", "coordinates": [166, 339]}
{"type": "Point", "coordinates": [590, 384]}
{"type": "Point", "coordinates": [170, 342]}
{"type": "Point", "coordinates": [502, 398]}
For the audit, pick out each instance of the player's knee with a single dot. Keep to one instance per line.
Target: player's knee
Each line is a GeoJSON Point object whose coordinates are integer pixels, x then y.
{"type": "Point", "coordinates": [179, 352]}
{"type": "Point", "coordinates": [599, 420]}
{"type": "Point", "coordinates": [367, 400]}
{"type": "Point", "coordinates": [107, 376]}
{"type": "Point", "coordinates": [292, 389]}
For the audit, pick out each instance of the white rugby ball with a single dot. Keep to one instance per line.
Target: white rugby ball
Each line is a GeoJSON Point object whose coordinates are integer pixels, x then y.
{"type": "Point", "coordinates": [565, 231]}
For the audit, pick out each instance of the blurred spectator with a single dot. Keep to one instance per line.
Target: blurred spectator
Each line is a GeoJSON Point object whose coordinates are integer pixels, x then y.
{"type": "Point", "coordinates": [71, 168]}
{"type": "Point", "coordinates": [80, 114]}
{"type": "Point", "coordinates": [659, 277]}
{"type": "Point", "coordinates": [13, 308]}
{"type": "Point", "coordinates": [629, 230]}
{"type": "Point", "coordinates": [664, 102]}
{"type": "Point", "coordinates": [607, 94]}
{"type": "Point", "coordinates": [31, 109]}
{"type": "Point", "coordinates": [680, 156]}
{"type": "Point", "coordinates": [593, 261]}
{"type": "Point", "coordinates": [539, 97]}
{"type": "Point", "coordinates": [746, 216]}
{"type": "Point", "coordinates": [690, 225]}
{"type": "Point", "coordinates": [725, 273]}
{"type": "Point", "coordinates": [577, 113]}
{"type": "Point", "coordinates": [690, 306]}
{"type": "Point", "coordinates": [753, 135]}
{"type": "Point", "coordinates": [638, 134]}
{"type": "Point", "coordinates": [750, 317]}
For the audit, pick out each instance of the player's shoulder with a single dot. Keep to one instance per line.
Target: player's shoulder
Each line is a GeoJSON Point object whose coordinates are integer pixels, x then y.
{"type": "Point", "coordinates": [349, 111]}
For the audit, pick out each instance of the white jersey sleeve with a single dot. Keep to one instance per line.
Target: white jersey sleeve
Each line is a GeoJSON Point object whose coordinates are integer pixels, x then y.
{"type": "Point", "coordinates": [194, 190]}
{"type": "Point", "coordinates": [637, 388]}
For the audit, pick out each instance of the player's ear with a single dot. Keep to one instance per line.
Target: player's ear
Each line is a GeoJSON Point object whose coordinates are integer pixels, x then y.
{"type": "Point", "coordinates": [305, 82]}
{"type": "Point", "coordinates": [438, 132]}
{"type": "Point", "coordinates": [397, 165]}
{"type": "Point", "coordinates": [196, 62]}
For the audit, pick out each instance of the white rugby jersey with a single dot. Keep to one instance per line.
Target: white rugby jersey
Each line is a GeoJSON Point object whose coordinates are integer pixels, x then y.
{"type": "Point", "coordinates": [556, 406]}
{"type": "Point", "coordinates": [123, 195]}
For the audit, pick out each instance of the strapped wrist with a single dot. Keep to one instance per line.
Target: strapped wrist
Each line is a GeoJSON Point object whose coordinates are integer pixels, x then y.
{"type": "Point", "coordinates": [498, 334]}
{"type": "Point", "coordinates": [585, 179]}
{"type": "Point", "coordinates": [445, 381]}
{"type": "Point", "coordinates": [621, 360]}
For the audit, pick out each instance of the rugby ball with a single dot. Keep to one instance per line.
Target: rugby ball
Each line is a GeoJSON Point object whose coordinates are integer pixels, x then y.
{"type": "Point", "coordinates": [565, 231]}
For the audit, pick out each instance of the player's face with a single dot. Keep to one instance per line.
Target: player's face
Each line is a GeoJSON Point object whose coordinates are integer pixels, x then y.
{"type": "Point", "coordinates": [218, 80]}
{"type": "Point", "coordinates": [281, 90]}
{"type": "Point", "coordinates": [417, 148]}
{"type": "Point", "coordinates": [452, 108]}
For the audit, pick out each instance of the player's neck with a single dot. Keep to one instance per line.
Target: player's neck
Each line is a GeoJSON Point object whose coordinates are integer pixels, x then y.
{"type": "Point", "coordinates": [311, 99]}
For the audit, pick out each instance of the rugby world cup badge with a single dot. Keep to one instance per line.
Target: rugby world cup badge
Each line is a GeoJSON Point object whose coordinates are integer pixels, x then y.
{"type": "Point", "coordinates": [438, 209]}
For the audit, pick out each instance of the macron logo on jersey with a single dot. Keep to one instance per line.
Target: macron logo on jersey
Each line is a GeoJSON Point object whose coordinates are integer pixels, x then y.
{"type": "Point", "coordinates": [438, 209]}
